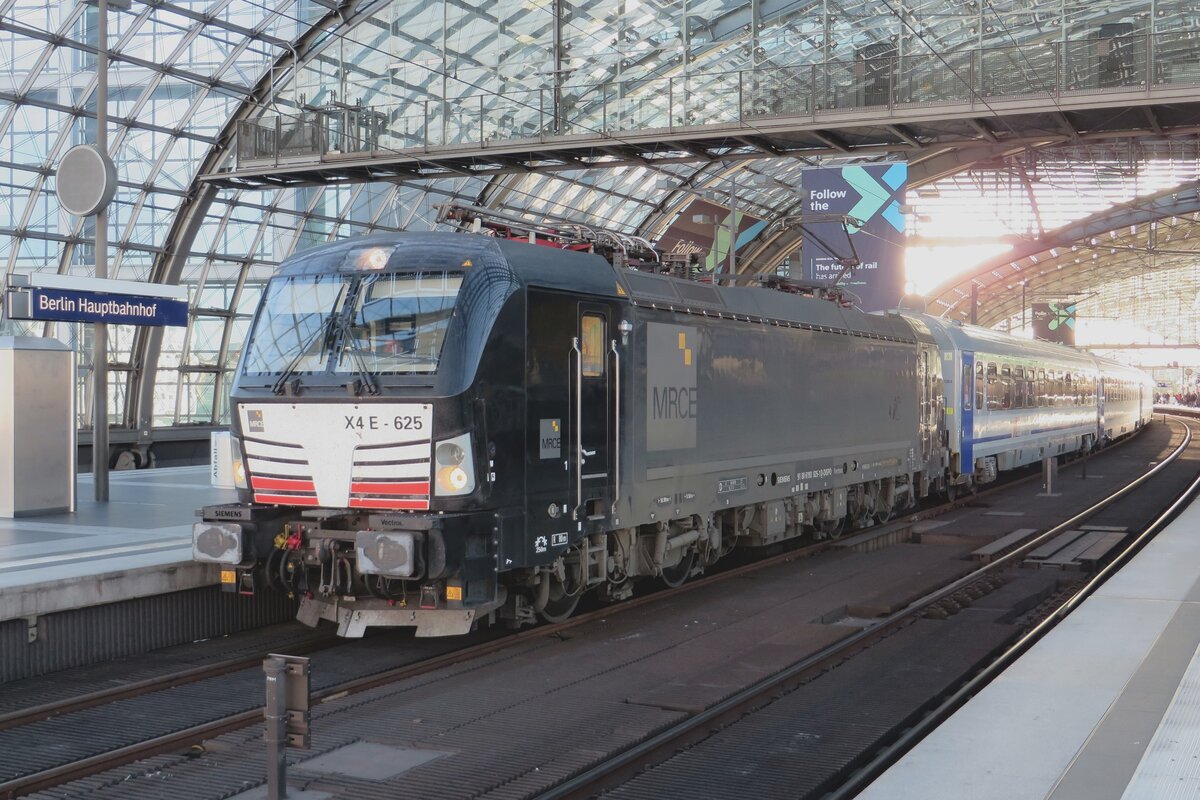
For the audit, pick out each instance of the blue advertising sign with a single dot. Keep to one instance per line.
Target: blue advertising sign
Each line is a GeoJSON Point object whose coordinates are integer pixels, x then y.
{"type": "Point", "coordinates": [872, 195]}
{"type": "Point", "coordinates": [72, 305]}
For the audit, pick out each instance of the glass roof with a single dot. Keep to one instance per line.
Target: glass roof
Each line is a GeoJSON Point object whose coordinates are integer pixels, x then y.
{"type": "Point", "coordinates": [184, 72]}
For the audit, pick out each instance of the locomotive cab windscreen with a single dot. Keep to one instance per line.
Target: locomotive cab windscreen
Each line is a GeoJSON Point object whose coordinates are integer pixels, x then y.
{"type": "Point", "coordinates": [352, 324]}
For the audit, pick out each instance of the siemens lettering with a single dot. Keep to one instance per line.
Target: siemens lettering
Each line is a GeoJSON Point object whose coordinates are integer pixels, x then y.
{"type": "Point", "coordinates": [674, 402]}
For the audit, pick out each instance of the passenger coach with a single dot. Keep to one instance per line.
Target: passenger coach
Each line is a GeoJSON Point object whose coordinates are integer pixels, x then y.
{"type": "Point", "coordinates": [1016, 401]}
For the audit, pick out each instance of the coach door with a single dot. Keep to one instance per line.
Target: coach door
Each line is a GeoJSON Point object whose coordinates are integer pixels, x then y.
{"type": "Point", "coordinates": [928, 372]}
{"type": "Point", "coordinates": [966, 399]}
{"type": "Point", "coordinates": [594, 361]}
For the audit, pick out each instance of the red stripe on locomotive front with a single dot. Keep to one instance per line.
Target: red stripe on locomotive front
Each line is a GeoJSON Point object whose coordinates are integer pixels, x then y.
{"type": "Point", "coordinates": [282, 484]}
{"type": "Point", "coordinates": [391, 488]}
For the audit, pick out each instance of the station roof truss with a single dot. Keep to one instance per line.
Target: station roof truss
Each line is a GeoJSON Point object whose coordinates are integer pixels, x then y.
{"type": "Point", "coordinates": [1138, 261]}
{"type": "Point", "coordinates": [244, 132]}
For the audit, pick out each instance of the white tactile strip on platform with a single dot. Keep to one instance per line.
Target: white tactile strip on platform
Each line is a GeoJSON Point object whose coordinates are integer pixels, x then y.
{"type": "Point", "coordinates": [1170, 768]}
{"type": "Point", "coordinates": [1019, 736]}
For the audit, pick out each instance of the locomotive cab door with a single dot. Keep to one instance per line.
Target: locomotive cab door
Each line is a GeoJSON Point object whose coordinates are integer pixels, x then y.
{"type": "Point", "coordinates": [570, 400]}
{"type": "Point", "coordinates": [592, 393]}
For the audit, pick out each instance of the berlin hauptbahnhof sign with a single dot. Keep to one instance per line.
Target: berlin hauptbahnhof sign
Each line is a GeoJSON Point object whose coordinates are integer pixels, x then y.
{"type": "Point", "coordinates": [65, 298]}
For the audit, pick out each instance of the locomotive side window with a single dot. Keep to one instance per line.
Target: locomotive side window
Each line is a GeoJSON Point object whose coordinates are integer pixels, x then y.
{"type": "Point", "coordinates": [592, 345]}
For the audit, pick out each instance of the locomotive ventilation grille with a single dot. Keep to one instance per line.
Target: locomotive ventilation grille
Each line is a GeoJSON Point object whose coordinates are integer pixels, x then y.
{"type": "Point", "coordinates": [385, 476]}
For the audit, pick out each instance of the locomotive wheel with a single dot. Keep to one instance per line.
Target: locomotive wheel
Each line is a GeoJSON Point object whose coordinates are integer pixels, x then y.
{"type": "Point", "coordinates": [561, 603]}
{"type": "Point", "coordinates": [675, 576]}
{"type": "Point", "coordinates": [833, 529]}
{"type": "Point", "coordinates": [883, 516]}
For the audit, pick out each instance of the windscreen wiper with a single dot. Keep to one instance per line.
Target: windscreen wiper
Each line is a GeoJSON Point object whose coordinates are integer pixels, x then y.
{"type": "Point", "coordinates": [283, 382]}
{"type": "Point", "coordinates": [366, 378]}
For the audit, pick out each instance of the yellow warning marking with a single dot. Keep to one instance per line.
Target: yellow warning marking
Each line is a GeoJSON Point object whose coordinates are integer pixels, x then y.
{"type": "Point", "coordinates": [454, 593]}
{"type": "Point", "coordinates": [687, 351]}
{"type": "Point", "coordinates": [468, 263]}
{"type": "Point", "coordinates": [228, 576]}
{"type": "Point", "coordinates": [620, 290]}
{"type": "Point", "coordinates": [554, 425]}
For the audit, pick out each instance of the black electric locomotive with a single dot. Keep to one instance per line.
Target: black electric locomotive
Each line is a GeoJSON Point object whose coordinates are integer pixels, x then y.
{"type": "Point", "coordinates": [437, 428]}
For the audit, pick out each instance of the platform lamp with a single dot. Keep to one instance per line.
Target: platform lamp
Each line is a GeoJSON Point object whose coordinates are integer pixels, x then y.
{"type": "Point", "coordinates": [86, 182]}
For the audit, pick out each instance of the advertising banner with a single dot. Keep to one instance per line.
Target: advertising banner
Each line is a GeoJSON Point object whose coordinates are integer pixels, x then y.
{"type": "Point", "coordinates": [686, 235]}
{"type": "Point", "coordinates": [1054, 322]}
{"type": "Point", "coordinates": [873, 195]}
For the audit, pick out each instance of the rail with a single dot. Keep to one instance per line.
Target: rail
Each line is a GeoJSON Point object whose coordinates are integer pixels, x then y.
{"type": "Point", "coordinates": [919, 730]}
{"type": "Point", "coordinates": [692, 729]}
{"type": "Point", "coordinates": [1051, 70]}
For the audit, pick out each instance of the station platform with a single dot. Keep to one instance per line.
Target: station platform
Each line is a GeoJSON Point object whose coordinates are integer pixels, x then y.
{"type": "Point", "coordinates": [1107, 705]}
{"type": "Point", "coordinates": [136, 545]}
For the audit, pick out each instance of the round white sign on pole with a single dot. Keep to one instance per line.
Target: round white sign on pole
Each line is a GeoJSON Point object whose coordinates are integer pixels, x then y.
{"type": "Point", "coordinates": [87, 180]}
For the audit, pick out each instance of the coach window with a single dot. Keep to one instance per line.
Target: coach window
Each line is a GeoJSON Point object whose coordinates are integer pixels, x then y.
{"type": "Point", "coordinates": [1006, 381]}
{"type": "Point", "coordinates": [1020, 398]}
{"type": "Point", "coordinates": [978, 385]}
{"type": "Point", "coordinates": [993, 397]}
{"type": "Point", "coordinates": [592, 327]}
{"type": "Point", "coordinates": [1068, 391]}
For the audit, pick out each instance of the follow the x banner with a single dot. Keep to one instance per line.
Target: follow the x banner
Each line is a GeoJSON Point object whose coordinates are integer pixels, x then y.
{"type": "Point", "coordinates": [872, 195]}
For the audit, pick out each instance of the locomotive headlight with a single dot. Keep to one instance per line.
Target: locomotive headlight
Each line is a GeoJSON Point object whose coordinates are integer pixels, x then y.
{"type": "Point", "coordinates": [239, 464]}
{"type": "Point", "coordinates": [450, 453]}
{"type": "Point", "coordinates": [455, 470]}
{"type": "Point", "coordinates": [368, 258]}
{"type": "Point", "coordinates": [452, 480]}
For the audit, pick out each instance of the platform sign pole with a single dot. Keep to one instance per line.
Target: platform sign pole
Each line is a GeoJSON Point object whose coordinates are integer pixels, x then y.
{"type": "Point", "coordinates": [276, 735]}
{"type": "Point", "coordinates": [100, 329]}
{"type": "Point", "coordinates": [287, 713]}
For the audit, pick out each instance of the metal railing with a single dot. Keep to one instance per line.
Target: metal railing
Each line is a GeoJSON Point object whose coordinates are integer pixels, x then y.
{"type": "Point", "coordinates": [1047, 70]}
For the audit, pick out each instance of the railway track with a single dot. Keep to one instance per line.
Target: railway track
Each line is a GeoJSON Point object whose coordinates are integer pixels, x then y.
{"type": "Point", "coordinates": [193, 734]}
{"type": "Point", "coordinates": [628, 764]}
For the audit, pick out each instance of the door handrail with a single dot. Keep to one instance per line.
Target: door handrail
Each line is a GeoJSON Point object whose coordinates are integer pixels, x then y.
{"type": "Point", "coordinates": [578, 425]}
{"type": "Point", "coordinates": [616, 425]}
